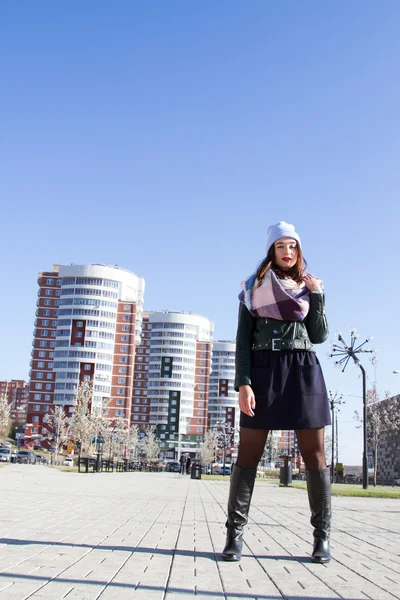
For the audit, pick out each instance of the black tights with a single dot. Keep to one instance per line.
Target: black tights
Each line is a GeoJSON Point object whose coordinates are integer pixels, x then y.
{"type": "Point", "coordinates": [311, 444]}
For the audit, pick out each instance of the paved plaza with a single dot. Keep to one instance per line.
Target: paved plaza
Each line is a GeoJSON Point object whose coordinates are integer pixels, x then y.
{"type": "Point", "coordinates": [159, 536]}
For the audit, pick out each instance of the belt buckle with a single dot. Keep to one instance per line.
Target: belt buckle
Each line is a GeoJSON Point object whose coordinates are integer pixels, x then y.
{"type": "Point", "coordinates": [274, 341]}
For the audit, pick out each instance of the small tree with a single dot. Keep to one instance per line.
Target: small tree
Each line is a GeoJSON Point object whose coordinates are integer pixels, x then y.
{"type": "Point", "coordinates": [209, 447]}
{"type": "Point", "coordinates": [5, 410]}
{"type": "Point", "coordinates": [132, 441]}
{"type": "Point", "coordinates": [271, 449]}
{"type": "Point", "coordinates": [383, 416]}
{"type": "Point", "coordinates": [150, 445]}
{"type": "Point", "coordinates": [81, 428]}
{"type": "Point", "coordinates": [58, 428]}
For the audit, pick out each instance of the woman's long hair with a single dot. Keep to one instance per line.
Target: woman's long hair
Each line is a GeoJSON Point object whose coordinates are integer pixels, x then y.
{"type": "Point", "coordinates": [296, 272]}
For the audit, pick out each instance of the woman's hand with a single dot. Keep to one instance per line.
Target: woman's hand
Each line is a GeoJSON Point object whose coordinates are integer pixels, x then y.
{"type": "Point", "coordinates": [247, 402]}
{"type": "Point", "coordinates": [313, 284]}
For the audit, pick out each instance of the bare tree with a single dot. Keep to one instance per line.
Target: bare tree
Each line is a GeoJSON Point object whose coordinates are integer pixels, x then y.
{"type": "Point", "coordinates": [271, 449]}
{"type": "Point", "coordinates": [209, 447]}
{"type": "Point", "coordinates": [58, 428]}
{"type": "Point", "coordinates": [383, 416]}
{"type": "Point", "coordinates": [82, 428]}
{"type": "Point", "coordinates": [5, 410]}
{"type": "Point", "coordinates": [150, 445]}
{"type": "Point", "coordinates": [132, 441]}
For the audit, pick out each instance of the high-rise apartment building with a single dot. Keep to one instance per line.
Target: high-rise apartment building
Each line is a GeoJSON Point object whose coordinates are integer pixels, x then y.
{"type": "Point", "coordinates": [88, 324]}
{"type": "Point", "coordinates": [222, 400]}
{"type": "Point", "coordinates": [171, 394]}
{"type": "Point", "coordinates": [17, 392]}
{"type": "Point", "coordinates": [223, 408]}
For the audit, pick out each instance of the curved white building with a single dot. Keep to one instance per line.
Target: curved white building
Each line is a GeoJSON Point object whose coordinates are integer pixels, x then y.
{"type": "Point", "coordinates": [88, 325]}
{"type": "Point", "coordinates": [180, 350]}
{"type": "Point", "coordinates": [223, 400]}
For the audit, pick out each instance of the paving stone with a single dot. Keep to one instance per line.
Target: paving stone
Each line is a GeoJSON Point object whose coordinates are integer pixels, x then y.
{"type": "Point", "coordinates": [159, 536]}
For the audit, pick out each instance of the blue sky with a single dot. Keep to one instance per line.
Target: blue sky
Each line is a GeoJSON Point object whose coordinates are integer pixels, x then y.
{"type": "Point", "coordinates": [166, 137]}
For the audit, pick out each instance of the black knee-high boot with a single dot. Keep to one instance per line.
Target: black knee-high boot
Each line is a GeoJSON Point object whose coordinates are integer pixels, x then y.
{"type": "Point", "coordinates": [240, 492]}
{"type": "Point", "coordinates": [319, 496]}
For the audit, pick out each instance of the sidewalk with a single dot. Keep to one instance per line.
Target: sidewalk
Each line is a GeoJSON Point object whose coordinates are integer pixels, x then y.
{"type": "Point", "coordinates": [158, 536]}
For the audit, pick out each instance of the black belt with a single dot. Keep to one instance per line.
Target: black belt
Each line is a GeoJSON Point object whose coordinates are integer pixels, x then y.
{"type": "Point", "coordinates": [279, 344]}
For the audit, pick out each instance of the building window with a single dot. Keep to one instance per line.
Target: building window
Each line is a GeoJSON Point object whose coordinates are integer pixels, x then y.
{"type": "Point", "coordinates": [79, 323]}
{"type": "Point", "coordinates": [49, 292]}
{"type": "Point", "coordinates": [42, 354]}
{"type": "Point", "coordinates": [127, 307]}
{"type": "Point", "coordinates": [35, 419]}
{"type": "Point", "coordinates": [123, 348]}
{"type": "Point", "coordinates": [38, 386]}
{"type": "Point", "coordinates": [79, 334]}
{"type": "Point", "coordinates": [125, 338]}
{"type": "Point", "coordinates": [48, 386]}
{"type": "Point", "coordinates": [44, 333]}
{"type": "Point", "coordinates": [47, 397]}
{"type": "Point", "coordinates": [126, 317]}
{"type": "Point", "coordinates": [119, 413]}
{"type": "Point", "coordinates": [45, 323]}
{"type": "Point", "coordinates": [120, 391]}
{"type": "Point", "coordinates": [36, 407]}
{"type": "Point", "coordinates": [40, 365]}
{"type": "Point", "coordinates": [49, 375]}
{"type": "Point", "coordinates": [49, 282]}
{"type": "Point", "coordinates": [37, 396]}
{"type": "Point", "coordinates": [43, 343]}
{"type": "Point", "coordinates": [121, 380]}
{"type": "Point", "coordinates": [39, 375]}
{"type": "Point", "coordinates": [122, 370]}
{"type": "Point", "coordinates": [120, 401]}
{"type": "Point", "coordinates": [135, 418]}
{"type": "Point", "coordinates": [123, 359]}
{"type": "Point", "coordinates": [126, 327]}
{"type": "Point", "coordinates": [47, 302]}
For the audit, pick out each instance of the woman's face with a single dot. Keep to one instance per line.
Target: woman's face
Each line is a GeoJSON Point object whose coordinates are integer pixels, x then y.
{"type": "Point", "coordinates": [285, 253]}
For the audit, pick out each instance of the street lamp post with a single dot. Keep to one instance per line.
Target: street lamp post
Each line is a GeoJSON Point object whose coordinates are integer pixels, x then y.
{"type": "Point", "coordinates": [334, 400]}
{"type": "Point", "coordinates": [346, 352]}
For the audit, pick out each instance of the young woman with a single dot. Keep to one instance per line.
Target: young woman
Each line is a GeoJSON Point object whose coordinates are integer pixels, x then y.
{"type": "Point", "coordinates": [280, 382]}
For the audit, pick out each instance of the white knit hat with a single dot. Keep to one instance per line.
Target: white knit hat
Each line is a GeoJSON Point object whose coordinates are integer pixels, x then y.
{"type": "Point", "coordinates": [281, 230]}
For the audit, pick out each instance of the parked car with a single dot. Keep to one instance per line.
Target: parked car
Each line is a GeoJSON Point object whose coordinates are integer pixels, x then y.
{"type": "Point", "coordinates": [26, 456]}
{"type": "Point", "coordinates": [224, 471]}
{"type": "Point", "coordinates": [7, 444]}
{"type": "Point", "coordinates": [173, 467]}
{"type": "Point", "coordinates": [5, 454]}
{"type": "Point", "coordinates": [351, 478]}
{"type": "Point", "coordinates": [68, 462]}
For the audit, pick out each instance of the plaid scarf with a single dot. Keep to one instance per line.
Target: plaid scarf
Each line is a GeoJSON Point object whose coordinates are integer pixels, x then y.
{"type": "Point", "coordinates": [275, 298]}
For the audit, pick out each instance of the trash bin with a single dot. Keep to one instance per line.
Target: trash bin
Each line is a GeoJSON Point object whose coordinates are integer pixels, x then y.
{"type": "Point", "coordinates": [195, 472]}
{"type": "Point", "coordinates": [285, 472]}
{"type": "Point", "coordinates": [13, 458]}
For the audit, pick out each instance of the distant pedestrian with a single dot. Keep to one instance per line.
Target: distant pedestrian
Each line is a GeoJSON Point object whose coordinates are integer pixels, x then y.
{"type": "Point", "coordinates": [182, 462]}
{"type": "Point", "coordinates": [280, 381]}
{"type": "Point", "coordinates": [188, 463]}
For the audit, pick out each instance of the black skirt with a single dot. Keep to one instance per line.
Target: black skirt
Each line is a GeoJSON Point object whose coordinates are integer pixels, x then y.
{"type": "Point", "coordinates": [289, 390]}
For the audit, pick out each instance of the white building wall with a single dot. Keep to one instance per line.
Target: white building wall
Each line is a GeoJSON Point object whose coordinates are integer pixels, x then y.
{"type": "Point", "coordinates": [174, 335]}
{"type": "Point", "coordinates": [91, 293]}
{"type": "Point", "coordinates": [223, 370]}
